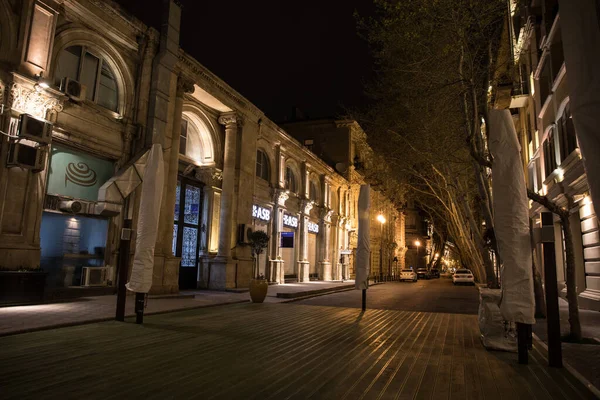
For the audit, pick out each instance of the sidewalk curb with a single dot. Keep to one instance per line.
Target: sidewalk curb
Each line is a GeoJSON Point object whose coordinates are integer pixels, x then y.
{"type": "Point", "coordinates": [572, 371]}
{"type": "Point", "coordinates": [295, 295]}
{"type": "Point", "coordinates": [345, 289]}
{"type": "Point", "coordinates": [106, 319]}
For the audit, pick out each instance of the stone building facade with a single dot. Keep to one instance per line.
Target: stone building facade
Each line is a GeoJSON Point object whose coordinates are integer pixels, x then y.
{"type": "Point", "coordinates": [550, 151]}
{"type": "Point", "coordinates": [112, 87]}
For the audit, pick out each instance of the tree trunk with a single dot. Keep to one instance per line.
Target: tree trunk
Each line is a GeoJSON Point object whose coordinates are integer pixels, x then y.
{"type": "Point", "coordinates": [439, 259]}
{"type": "Point", "coordinates": [538, 288]}
{"type": "Point", "coordinates": [574, 323]}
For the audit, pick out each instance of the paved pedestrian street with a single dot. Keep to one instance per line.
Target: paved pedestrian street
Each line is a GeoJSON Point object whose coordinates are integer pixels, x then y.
{"type": "Point", "coordinates": [276, 351]}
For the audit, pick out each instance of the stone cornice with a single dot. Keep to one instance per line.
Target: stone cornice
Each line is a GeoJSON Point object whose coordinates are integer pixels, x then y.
{"type": "Point", "coordinates": [201, 73]}
{"type": "Point", "coordinates": [106, 26]}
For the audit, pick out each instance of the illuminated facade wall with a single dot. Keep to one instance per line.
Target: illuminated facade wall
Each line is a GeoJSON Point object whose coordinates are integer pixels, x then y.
{"type": "Point", "coordinates": [551, 157]}
{"type": "Point", "coordinates": [141, 90]}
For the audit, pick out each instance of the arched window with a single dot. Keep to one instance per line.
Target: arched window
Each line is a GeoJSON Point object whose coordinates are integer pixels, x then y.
{"type": "Point", "coordinates": [79, 64]}
{"type": "Point", "coordinates": [290, 180]}
{"type": "Point", "coordinates": [313, 192]}
{"type": "Point", "coordinates": [262, 165]}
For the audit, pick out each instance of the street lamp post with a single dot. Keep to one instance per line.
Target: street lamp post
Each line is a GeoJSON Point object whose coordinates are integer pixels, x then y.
{"type": "Point", "coordinates": [381, 220]}
{"type": "Point", "coordinates": [417, 243]}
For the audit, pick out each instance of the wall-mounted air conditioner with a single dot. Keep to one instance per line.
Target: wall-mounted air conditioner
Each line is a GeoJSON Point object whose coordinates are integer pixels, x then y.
{"type": "Point", "coordinates": [94, 276]}
{"type": "Point", "coordinates": [71, 206]}
{"type": "Point", "coordinates": [35, 129]}
{"type": "Point", "coordinates": [73, 89]}
{"type": "Point", "coordinates": [25, 156]}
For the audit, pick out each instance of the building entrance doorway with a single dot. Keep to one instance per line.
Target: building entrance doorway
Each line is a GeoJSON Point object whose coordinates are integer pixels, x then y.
{"type": "Point", "coordinates": [186, 232]}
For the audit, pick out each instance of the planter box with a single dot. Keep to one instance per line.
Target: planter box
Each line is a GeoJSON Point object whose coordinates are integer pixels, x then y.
{"type": "Point", "coordinates": [21, 287]}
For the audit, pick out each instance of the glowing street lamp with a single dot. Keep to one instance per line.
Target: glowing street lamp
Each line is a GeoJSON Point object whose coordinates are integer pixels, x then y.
{"type": "Point", "coordinates": [417, 243]}
{"type": "Point", "coordinates": [381, 220]}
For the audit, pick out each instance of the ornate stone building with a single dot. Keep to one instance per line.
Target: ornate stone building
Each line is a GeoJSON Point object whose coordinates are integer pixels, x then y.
{"type": "Point", "coordinates": [539, 101]}
{"type": "Point", "coordinates": [111, 87]}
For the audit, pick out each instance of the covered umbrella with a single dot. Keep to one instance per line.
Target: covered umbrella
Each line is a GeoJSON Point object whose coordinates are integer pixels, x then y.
{"type": "Point", "coordinates": [511, 220]}
{"type": "Point", "coordinates": [364, 246]}
{"type": "Point", "coordinates": [147, 227]}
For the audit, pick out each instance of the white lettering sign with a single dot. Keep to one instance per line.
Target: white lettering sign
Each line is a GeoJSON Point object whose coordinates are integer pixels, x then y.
{"type": "Point", "coordinates": [290, 220]}
{"type": "Point", "coordinates": [261, 213]}
{"type": "Point", "coordinates": [312, 227]}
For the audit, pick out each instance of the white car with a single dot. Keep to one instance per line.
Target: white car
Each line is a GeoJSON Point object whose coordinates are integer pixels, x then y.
{"type": "Point", "coordinates": [408, 275]}
{"type": "Point", "coordinates": [463, 276]}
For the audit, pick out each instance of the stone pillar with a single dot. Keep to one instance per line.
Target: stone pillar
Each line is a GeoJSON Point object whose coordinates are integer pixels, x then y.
{"type": "Point", "coordinates": [276, 268]}
{"type": "Point", "coordinates": [22, 191]}
{"type": "Point", "coordinates": [231, 122]}
{"type": "Point", "coordinates": [325, 236]}
{"type": "Point", "coordinates": [222, 269]}
{"type": "Point", "coordinates": [165, 239]}
{"type": "Point", "coordinates": [303, 264]}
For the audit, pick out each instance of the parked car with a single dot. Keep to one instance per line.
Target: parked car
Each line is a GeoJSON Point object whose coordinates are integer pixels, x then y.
{"type": "Point", "coordinates": [463, 276]}
{"type": "Point", "coordinates": [408, 275]}
{"type": "Point", "coordinates": [422, 273]}
{"type": "Point", "coordinates": [434, 273]}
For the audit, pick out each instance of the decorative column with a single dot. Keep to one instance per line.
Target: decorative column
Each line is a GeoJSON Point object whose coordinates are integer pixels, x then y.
{"type": "Point", "coordinates": [276, 269]}
{"type": "Point", "coordinates": [231, 122]}
{"type": "Point", "coordinates": [222, 273]}
{"type": "Point", "coordinates": [303, 264]}
{"type": "Point", "coordinates": [325, 235]}
{"type": "Point", "coordinates": [165, 239]}
{"type": "Point", "coordinates": [209, 225]}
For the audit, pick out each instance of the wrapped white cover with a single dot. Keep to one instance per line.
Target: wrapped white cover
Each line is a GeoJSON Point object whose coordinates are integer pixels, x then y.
{"type": "Point", "coordinates": [147, 226]}
{"type": "Point", "coordinates": [364, 239]}
{"type": "Point", "coordinates": [581, 44]}
{"type": "Point", "coordinates": [496, 333]}
{"type": "Point", "coordinates": [511, 219]}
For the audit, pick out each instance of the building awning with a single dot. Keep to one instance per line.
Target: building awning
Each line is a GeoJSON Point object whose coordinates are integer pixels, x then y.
{"type": "Point", "coordinates": [122, 184]}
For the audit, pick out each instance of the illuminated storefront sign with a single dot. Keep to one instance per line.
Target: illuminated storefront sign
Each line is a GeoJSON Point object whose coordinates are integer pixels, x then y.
{"type": "Point", "coordinates": [290, 220]}
{"type": "Point", "coordinates": [76, 174]}
{"type": "Point", "coordinates": [312, 227]}
{"type": "Point", "coordinates": [261, 213]}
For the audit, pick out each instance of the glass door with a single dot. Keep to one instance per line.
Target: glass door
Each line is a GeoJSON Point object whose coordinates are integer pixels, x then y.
{"type": "Point", "coordinates": [186, 231]}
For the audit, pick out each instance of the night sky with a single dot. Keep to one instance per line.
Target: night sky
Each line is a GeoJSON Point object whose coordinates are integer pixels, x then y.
{"type": "Point", "coordinates": [278, 54]}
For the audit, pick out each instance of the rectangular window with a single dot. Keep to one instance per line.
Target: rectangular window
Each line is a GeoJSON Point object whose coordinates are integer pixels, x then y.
{"type": "Point", "coordinates": [68, 64]}
{"type": "Point", "coordinates": [89, 73]}
{"type": "Point", "coordinates": [107, 90]}
{"type": "Point", "coordinates": [183, 137]}
{"type": "Point", "coordinates": [531, 176]}
{"type": "Point", "coordinates": [550, 154]}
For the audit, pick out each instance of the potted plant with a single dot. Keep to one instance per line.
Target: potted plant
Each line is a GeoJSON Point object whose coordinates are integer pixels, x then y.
{"type": "Point", "coordinates": [259, 241]}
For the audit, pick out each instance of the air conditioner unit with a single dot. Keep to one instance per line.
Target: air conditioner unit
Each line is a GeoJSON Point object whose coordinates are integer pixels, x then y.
{"type": "Point", "coordinates": [25, 156]}
{"type": "Point", "coordinates": [73, 89]}
{"type": "Point", "coordinates": [94, 276]}
{"type": "Point", "coordinates": [35, 129]}
{"type": "Point", "coordinates": [71, 206]}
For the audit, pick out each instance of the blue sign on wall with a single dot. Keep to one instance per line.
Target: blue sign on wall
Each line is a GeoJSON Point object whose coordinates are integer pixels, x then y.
{"type": "Point", "coordinates": [76, 174]}
{"type": "Point", "coordinates": [287, 239]}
